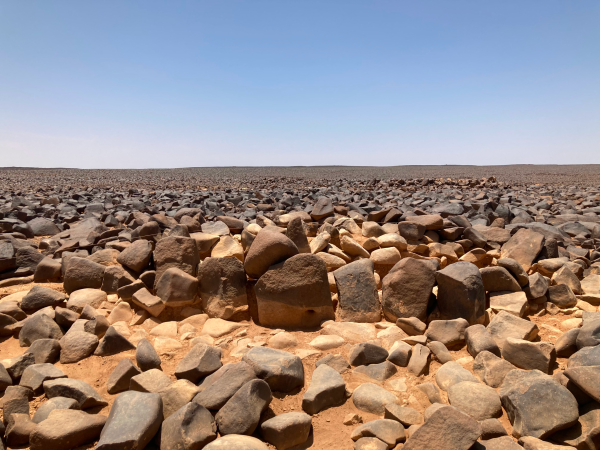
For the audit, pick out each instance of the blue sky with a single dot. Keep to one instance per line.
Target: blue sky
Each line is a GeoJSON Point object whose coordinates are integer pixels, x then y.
{"type": "Point", "coordinates": [137, 84]}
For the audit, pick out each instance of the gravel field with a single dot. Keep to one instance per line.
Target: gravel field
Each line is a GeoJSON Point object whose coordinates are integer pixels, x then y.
{"type": "Point", "coordinates": [21, 178]}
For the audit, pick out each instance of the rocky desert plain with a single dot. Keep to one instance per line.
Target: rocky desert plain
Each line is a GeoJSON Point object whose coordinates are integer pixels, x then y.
{"type": "Point", "coordinates": [366, 308]}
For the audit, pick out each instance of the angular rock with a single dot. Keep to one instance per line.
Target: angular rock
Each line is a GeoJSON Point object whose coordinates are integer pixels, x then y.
{"type": "Point", "coordinates": [66, 429]}
{"type": "Point", "coordinates": [295, 293]}
{"type": "Point", "coordinates": [120, 378]}
{"type": "Point", "coordinates": [200, 361]}
{"type": "Point", "coordinates": [82, 273]}
{"type": "Point", "coordinates": [562, 296]}
{"type": "Point", "coordinates": [357, 292]}
{"type": "Point", "coordinates": [134, 419]}
{"type": "Point", "coordinates": [269, 247]}
{"type": "Point", "coordinates": [146, 356]}
{"type": "Point", "coordinates": [460, 292]}
{"type": "Point", "coordinates": [38, 326]}
{"type": "Point", "coordinates": [453, 373]}
{"type": "Point", "coordinates": [236, 442]}
{"type": "Point", "coordinates": [77, 345]}
{"type": "Point", "coordinates": [451, 333]}
{"type": "Point", "coordinates": [479, 339]}
{"type": "Point", "coordinates": [529, 355]}
{"type": "Point", "coordinates": [151, 303]}
{"type": "Point", "coordinates": [505, 325]}
{"type": "Point", "coordinates": [419, 360]}
{"type": "Point", "coordinates": [386, 430]}
{"type": "Point", "coordinates": [286, 430]}
{"type": "Point", "coordinates": [491, 369]}
{"type": "Point", "coordinates": [241, 414]}
{"type": "Point", "coordinates": [283, 371]}
{"type": "Point", "coordinates": [40, 297]}
{"type": "Point", "coordinates": [83, 297]}
{"type": "Point", "coordinates": [113, 343]}
{"type": "Point", "coordinates": [337, 362]}
{"type": "Point", "coordinates": [446, 429]}
{"type": "Point", "coordinates": [176, 288]}
{"type": "Point", "coordinates": [523, 247]}
{"type": "Point", "coordinates": [407, 290]}
{"type": "Point", "coordinates": [498, 279]}
{"type": "Point", "coordinates": [367, 353]}
{"type": "Point", "coordinates": [222, 287]}
{"type": "Point", "coordinates": [50, 405]}
{"type": "Point", "coordinates": [191, 427]}
{"type": "Point", "coordinates": [536, 404]}
{"type": "Point", "coordinates": [34, 376]}
{"type": "Point", "coordinates": [475, 399]}
{"type": "Point", "coordinates": [152, 381]}
{"type": "Point", "coordinates": [373, 399]}
{"type": "Point", "coordinates": [45, 350]}
{"type": "Point", "coordinates": [78, 390]}
{"type": "Point", "coordinates": [400, 353]}
{"type": "Point", "coordinates": [218, 388]}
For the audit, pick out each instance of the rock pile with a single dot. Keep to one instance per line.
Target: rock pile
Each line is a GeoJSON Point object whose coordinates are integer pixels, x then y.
{"type": "Point", "coordinates": [238, 318]}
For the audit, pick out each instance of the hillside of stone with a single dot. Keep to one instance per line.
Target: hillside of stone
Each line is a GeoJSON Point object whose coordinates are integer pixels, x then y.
{"type": "Point", "coordinates": [296, 308]}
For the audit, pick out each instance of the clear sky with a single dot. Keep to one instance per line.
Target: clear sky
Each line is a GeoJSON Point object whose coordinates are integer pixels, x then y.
{"type": "Point", "coordinates": [138, 84]}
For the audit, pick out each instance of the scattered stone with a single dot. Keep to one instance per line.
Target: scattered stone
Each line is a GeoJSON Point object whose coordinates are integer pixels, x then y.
{"type": "Point", "coordinates": [241, 414]}
{"type": "Point", "coordinates": [371, 398]}
{"type": "Point", "coordinates": [66, 429]}
{"type": "Point", "coordinates": [460, 292]}
{"type": "Point", "coordinates": [283, 371]}
{"type": "Point", "coordinates": [190, 427]}
{"type": "Point", "coordinates": [120, 378]}
{"type": "Point", "coordinates": [78, 390]}
{"type": "Point", "coordinates": [286, 430]}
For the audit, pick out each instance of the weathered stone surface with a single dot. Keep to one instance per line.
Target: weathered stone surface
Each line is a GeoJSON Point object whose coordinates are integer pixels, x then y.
{"type": "Point", "coordinates": [151, 303]}
{"type": "Point", "coordinates": [134, 419]}
{"type": "Point", "coordinates": [505, 325]}
{"type": "Point", "coordinates": [52, 404]}
{"type": "Point", "coordinates": [367, 353]}
{"type": "Point", "coordinates": [286, 430]}
{"type": "Point", "coordinates": [40, 297]}
{"type": "Point", "coordinates": [514, 303]}
{"type": "Point", "coordinates": [136, 256]}
{"type": "Point", "coordinates": [45, 350]}
{"type": "Point", "coordinates": [357, 292]}
{"type": "Point", "coordinates": [350, 331]}
{"type": "Point", "coordinates": [335, 361]}
{"type": "Point", "coordinates": [269, 247]}
{"type": "Point", "coordinates": [176, 251]}
{"type": "Point", "coordinates": [83, 297]}
{"type": "Point", "coordinates": [16, 366]}
{"type": "Point", "coordinates": [407, 290]}
{"type": "Point", "coordinates": [38, 326]}
{"type": "Point", "coordinates": [216, 328]}
{"type": "Point", "coordinates": [370, 443]}
{"type": "Point", "coordinates": [153, 380]}
{"type": "Point", "coordinates": [587, 356]}
{"type": "Point", "coordinates": [529, 355]}
{"type": "Point", "coordinates": [200, 361]}
{"type": "Point", "coordinates": [327, 388]}
{"type": "Point", "coordinates": [372, 398]}
{"type": "Point", "coordinates": [479, 339]}
{"type": "Point", "coordinates": [65, 429]}
{"type": "Point", "coordinates": [222, 287]}
{"type": "Point", "coordinates": [176, 287]}
{"type": "Point", "coordinates": [446, 429]}
{"type": "Point", "coordinates": [377, 372]}
{"type": "Point", "coordinates": [498, 279]}
{"type": "Point", "coordinates": [587, 379]}
{"type": "Point", "coordinates": [451, 333]}
{"type": "Point", "coordinates": [77, 345]}
{"type": "Point", "coordinates": [453, 373]}
{"type": "Point", "coordinates": [112, 343]}
{"type": "Point", "coordinates": [295, 293]}
{"type": "Point", "coordinates": [218, 388]}
{"type": "Point", "coordinates": [177, 395]}
{"type": "Point", "coordinates": [82, 273]}
{"type": "Point", "coordinates": [531, 443]}
{"type": "Point", "coordinates": [120, 378]}
{"type": "Point", "coordinates": [34, 376]}
{"type": "Point", "coordinates": [475, 399]}
{"type": "Point", "coordinates": [386, 430]}
{"type": "Point", "coordinates": [400, 353]}
{"type": "Point", "coordinates": [460, 292]}
{"type": "Point", "coordinates": [283, 371]}
{"type": "Point", "coordinates": [241, 414]}
{"type": "Point", "coordinates": [79, 390]}
{"type": "Point", "coordinates": [146, 356]}
{"type": "Point", "coordinates": [536, 404]}
{"type": "Point", "coordinates": [523, 247]}
{"type": "Point", "coordinates": [419, 360]}
{"type": "Point", "coordinates": [585, 433]}
{"type": "Point", "coordinates": [562, 296]}
{"type": "Point", "coordinates": [491, 369]}
{"type": "Point", "coordinates": [405, 415]}
{"type": "Point", "coordinates": [236, 442]}
{"type": "Point", "coordinates": [191, 427]}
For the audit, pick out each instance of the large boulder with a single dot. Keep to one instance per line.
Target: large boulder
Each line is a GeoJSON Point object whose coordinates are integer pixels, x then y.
{"type": "Point", "coordinates": [176, 251]}
{"type": "Point", "coordinates": [295, 293]}
{"type": "Point", "coordinates": [461, 293]}
{"type": "Point", "coordinates": [407, 290]}
{"type": "Point", "coordinates": [176, 288]}
{"type": "Point", "coordinates": [222, 288]}
{"type": "Point", "coordinates": [357, 292]}
{"type": "Point", "coordinates": [269, 247]}
{"type": "Point", "coordinates": [82, 273]}
{"type": "Point", "coordinates": [66, 429]}
{"type": "Point", "coordinates": [524, 246]}
{"type": "Point", "coordinates": [446, 429]}
{"type": "Point", "coordinates": [537, 405]}
{"type": "Point", "coordinates": [134, 419]}
{"type": "Point", "coordinates": [136, 256]}
{"type": "Point", "coordinates": [283, 371]}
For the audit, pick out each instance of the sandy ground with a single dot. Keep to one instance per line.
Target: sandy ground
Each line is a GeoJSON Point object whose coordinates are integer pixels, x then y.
{"type": "Point", "coordinates": [329, 432]}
